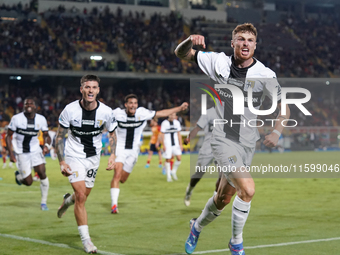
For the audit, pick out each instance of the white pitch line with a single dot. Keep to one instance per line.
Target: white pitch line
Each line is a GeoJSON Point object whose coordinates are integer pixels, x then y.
{"type": "Point", "coordinates": [51, 244]}
{"type": "Point", "coordinates": [267, 245]}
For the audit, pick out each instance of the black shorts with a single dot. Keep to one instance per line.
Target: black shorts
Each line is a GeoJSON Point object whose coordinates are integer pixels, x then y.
{"type": "Point", "coordinates": [153, 147]}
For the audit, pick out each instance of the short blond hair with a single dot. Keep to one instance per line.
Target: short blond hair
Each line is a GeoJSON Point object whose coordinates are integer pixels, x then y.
{"type": "Point", "coordinates": [246, 27]}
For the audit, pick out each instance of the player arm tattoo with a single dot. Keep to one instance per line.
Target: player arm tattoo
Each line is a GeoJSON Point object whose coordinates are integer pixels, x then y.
{"type": "Point", "coordinates": [113, 142]}
{"type": "Point", "coordinates": [59, 142]}
{"type": "Point", "coordinates": [185, 51]}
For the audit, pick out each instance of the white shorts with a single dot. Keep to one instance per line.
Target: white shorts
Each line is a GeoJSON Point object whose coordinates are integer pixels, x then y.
{"type": "Point", "coordinates": [128, 158]}
{"type": "Point", "coordinates": [172, 150]}
{"type": "Point", "coordinates": [83, 169]}
{"type": "Point", "coordinates": [230, 155]}
{"type": "Point", "coordinates": [26, 161]}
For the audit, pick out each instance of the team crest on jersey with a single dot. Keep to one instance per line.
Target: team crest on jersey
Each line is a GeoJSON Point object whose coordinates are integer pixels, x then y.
{"type": "Point", "coordinates": [250, 83]}
{"type": "Point", "coordinates": [99, 123]}
{"type": "Point", "coordinates": [232, 159]}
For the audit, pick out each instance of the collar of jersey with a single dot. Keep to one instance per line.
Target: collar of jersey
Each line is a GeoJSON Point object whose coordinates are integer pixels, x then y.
{"type": "Point", "coordinates": [88, 110]}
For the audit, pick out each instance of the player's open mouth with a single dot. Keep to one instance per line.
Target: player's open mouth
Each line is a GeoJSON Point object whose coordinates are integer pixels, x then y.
{"type": "Point", "coordinates": [90, 96]}
{"type": "Point", "coordinates": [245, 51]}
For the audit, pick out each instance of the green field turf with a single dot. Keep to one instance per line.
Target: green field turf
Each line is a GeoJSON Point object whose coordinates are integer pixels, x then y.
{"type": "Point", "coordinates": [152, 217]}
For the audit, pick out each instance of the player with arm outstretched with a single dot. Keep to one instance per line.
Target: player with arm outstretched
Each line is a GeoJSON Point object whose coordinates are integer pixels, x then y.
{"type": "Point", "coordinates": [25, 127]}
{"type": "Point", "coordinates": [131, 122]}
{"type": "Point", "coordinates": [84, 121]}
{"type": "Point", "coordinates": [233, 146]}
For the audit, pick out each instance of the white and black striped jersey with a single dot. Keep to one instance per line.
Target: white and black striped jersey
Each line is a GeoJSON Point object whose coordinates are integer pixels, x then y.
{"type": "Point", "coordinates": [25, 137]}
{"type": "Point", "coordinates": [85, 128]}
{"type": "Point", "coordinates": [170, 129]}
{"type": "Point", "coordinates": [130, 128]}
{"type": "Point", "coordinates": [221, 69]}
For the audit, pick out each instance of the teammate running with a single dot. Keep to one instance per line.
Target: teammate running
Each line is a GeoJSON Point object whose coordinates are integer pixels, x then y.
{"type": "Point", "coordinates": [131, 122]}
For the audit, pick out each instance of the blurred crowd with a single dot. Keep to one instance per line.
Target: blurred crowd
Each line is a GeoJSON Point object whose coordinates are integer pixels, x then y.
{"type": "Point", "coordinates": [50, 105]}
{"type": "Point", "coordinates": [140, 44]}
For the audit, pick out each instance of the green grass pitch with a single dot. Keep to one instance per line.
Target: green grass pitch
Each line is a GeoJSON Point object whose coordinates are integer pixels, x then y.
{"type": "Point", "coordinates": [152, 217]}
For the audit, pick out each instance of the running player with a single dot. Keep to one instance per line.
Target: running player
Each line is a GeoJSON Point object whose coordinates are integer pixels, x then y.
{"type": "Point", "coordinates": [154, 147]}
{"type": "Point", "coordinates": [131, 122]}
{"type": "Point", "coordinates": [205, 156]}
{"type": "Point", "coordinates": [233, 145]}
{"type": "Point", "coordinates": [84, 120]}
{"type": "Point", "coordinates": [172, 145]}
{"type": "Point", "coordinates": [25, 127]}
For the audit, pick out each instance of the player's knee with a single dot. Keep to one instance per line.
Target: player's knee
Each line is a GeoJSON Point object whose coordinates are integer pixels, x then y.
{"type": "Point", "coordinates": [80, 197]}
{"type": "Point", "coordinates": [117, 176]}
{"type": "Point", "coordinates": [27, 182]}
{"type": "Point", "coordinates": [247, 193]}
{"type": "Point", "coordinates": [122, 180]}
{"type": "Point", "coordinates": [42, 175]}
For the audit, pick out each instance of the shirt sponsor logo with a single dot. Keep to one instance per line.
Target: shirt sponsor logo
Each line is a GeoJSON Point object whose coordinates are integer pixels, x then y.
{"type": "Point", "coordinates": [26, 132]}
{"type": "Point", "coordinates": [130, 125]}
{"type": "Point", "coordinates": [82, 133]}
{"type": "Point", "coordinates": [87, 122]}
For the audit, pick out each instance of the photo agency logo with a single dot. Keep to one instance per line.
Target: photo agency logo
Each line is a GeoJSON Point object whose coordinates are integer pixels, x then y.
{"type": "Point", "coordinates": [232, 98]}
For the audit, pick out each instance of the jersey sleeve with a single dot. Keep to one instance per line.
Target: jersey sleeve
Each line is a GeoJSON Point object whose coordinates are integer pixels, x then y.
{"type": "Point", "coordinates": [206, 62]}
{"type": "Point", "coordinates": [12, 125]}
{"type": "Point", "coordinates": [44, 126]}
{"type": "Point", "coordinates": [145, 114]}
{"type": "Point", "coordinates": [163, 127]}
{"type": "Point", "coordinates": [271, 86]}
{"type": "Point", "coordinates": [64, 119]}
{"type": "Point", "coordinates": [111, 123]}
{"type": "Point", "coordinates": [202, 121]}
{"type": "Point", "coordinates": [178, 126]}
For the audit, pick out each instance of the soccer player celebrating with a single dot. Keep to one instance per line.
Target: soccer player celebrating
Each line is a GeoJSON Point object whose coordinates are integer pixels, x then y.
{"type": "Point", "coordinates": [155, 128]}
{"type": "Point", "coordinates": [25, 127]}
{"type": "Point", "coordinates": [172, 145]}
{"type": "Point", "coordinates": [131, 122]}
{"type": "Point", "coordinates": [233, 145]}
{"type": "Point", "coordinates": [84, 120]}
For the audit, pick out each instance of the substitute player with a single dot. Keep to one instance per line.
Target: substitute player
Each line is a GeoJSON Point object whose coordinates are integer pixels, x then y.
{"type": "Point", "coordinates": [25, 127]}
{"type": "Point", "coordinates": [84, 120]}
{"type": "Point", "coordinates": [131, 122]}
{"type": "Point", "coordinates": [172, 145]}
{"type": "Point", "coordinates": [233, 145]}
{"type": "Point", "coordinates": [154, 146]}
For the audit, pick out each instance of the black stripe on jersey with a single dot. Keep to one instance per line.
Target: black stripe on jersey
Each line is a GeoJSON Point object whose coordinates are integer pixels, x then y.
{"type": "Point", "coordinates": [195, 57]}
{"type": "Point", "coordinates": [237, 77]}
{"type": "Point", "coordinates": [88, 131]}
{"type": "Point", "coordinates": [130, 126]}
{"type": "Point", "coordinates": [28, 133]}
{"type": "Point", "coordinates": [173, 133]}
